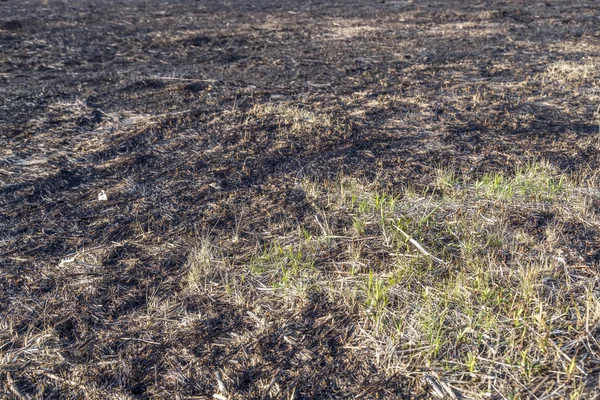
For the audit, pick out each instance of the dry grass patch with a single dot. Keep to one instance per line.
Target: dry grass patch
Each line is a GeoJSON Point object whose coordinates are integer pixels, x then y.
{"type": "Point", "coordinates": [569, 71]}
{"type": "Point", "coordinates": [475, 286]}
{"type": "Point", "coordinates": [294, 120]}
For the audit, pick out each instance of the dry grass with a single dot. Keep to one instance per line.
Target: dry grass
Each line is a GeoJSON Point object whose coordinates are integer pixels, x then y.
{"type": "Point", "coordinates": [471, 288]}
{"type": "Point", "coordinates": [568, 71]}
{"type": "Point", "coordinates": [293, 120]}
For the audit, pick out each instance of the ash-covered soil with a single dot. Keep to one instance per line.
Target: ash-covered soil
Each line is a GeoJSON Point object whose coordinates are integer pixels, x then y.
{"type": "Point", "coordinates": [161, 105]}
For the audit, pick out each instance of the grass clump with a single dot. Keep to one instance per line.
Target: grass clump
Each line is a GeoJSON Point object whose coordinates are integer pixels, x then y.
{"type": "Point", "coordinates": [283, 267]}
{"type": "Point", "coordinates": [200, 264]}
{"type": "Point", "coordinates": [538, 181]}
{"type": "Point", "coordinates": [568, 71]}
{"type": "Point", "coordinates": [295, 121]}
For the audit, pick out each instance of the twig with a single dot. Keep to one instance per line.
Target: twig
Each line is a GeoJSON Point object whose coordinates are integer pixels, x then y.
{"type": "Point", "coordinates": [140, 340]}
{"type": "Point", "coordinates": [173, 78]}
{"type": "Point", "coordinates": [439, 388]}
{"type": "Point", "coordinates": [419, 247]}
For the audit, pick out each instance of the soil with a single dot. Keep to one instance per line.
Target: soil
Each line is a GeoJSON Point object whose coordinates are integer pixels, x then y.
{"type": "Point", "coordinates": [154, 103]}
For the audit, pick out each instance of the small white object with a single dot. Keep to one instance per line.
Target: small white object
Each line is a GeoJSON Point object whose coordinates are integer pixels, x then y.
{"type": "Point", "coordinates": [66, 261]}
{"type": "Point", "coordinates": [102, 196]}
{"type": "Point", "coordinates": [222, 387]}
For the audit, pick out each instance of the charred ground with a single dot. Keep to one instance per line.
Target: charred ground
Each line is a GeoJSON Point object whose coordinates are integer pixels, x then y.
{"type": "Point", "coordinates": [199, 119]}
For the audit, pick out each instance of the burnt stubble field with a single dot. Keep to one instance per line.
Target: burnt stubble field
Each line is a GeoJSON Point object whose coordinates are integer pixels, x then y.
{"type": "Point", "coordinates": [295, 200]}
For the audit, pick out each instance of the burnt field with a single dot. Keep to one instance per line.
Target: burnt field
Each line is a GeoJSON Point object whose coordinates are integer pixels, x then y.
{"type": "Point", "coordinates": [296, 200]}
